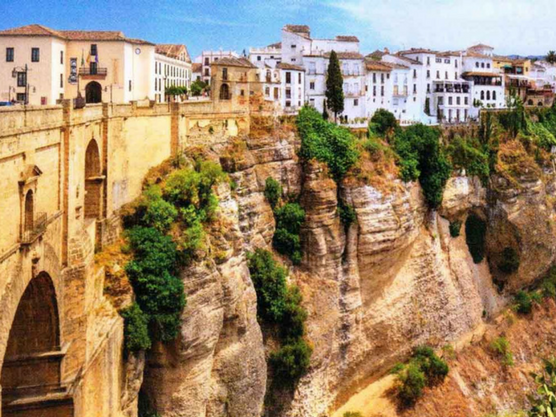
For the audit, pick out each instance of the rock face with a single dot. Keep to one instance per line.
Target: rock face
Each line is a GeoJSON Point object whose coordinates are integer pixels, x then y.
{"type": "Point", "coordinates": [394, 280]}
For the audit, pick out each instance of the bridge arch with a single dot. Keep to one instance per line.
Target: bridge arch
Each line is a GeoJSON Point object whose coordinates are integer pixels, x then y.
{"type": "Point", "coordinates": [93, 181]}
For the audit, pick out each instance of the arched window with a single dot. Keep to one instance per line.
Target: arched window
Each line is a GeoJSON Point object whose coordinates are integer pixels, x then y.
{"type": "Point", "coordinates": [225, 92]}
{"type": "Point", "coordinates": [494, 95]}
{"type": "Point", "coordinates": [488, 95]}
{"type": "Point", "coordinates": [93, 181]}
{"type": "Point", "coordinates": [530, 102]}
{"type": "Point", "coordinates": [29, 211]}
{"type": "Point", "coordinates": [93, 92]}
{"type": "Point", "coordinates": [482, 95]}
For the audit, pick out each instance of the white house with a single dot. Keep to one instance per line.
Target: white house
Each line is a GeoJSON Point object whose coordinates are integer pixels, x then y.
{"type": "Point", "coordinates": [172, 68]}
{"type": "Point", "coordinates": [208, 57]}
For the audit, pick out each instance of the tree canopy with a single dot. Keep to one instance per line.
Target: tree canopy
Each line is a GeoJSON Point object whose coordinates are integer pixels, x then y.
{"type": "Point", "coordinates": [334, 86]}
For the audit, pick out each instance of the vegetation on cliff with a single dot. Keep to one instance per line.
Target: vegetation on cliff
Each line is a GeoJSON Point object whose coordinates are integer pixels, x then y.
{"type": "Point", "coordinates": [279, 305]}
{"type": "Point", "coordinates": [424, 368]}
{"type": "Point", "coordinates": [164, 231]}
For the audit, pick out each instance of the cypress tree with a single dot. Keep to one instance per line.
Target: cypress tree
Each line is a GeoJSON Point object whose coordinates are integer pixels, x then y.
{"type": "Point", "coordinates": [324, 111]}
{"type": "Point", "coordinates": [334, 86]}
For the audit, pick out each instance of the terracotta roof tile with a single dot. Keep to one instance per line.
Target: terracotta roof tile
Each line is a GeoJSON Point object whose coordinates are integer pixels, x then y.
{"type": "Point", "coordinates": [234, 62]}
{"type": "Point", "coordinates": [343, 38]}
{"type": "Point", "coordinates": [298, 29]}
{"type": "Point", "coordinates": [480, 46]}
{"type": "Point", "coordinates": [286, 66]}
{"type": "Point", "coordinates": [196, 67]}
{"type": "Point", "coordinates": [173, 51]}
{"type": "Point", "coordinates": [377, 66]}
{"type": "Point", "coordinates": [346, 55]}
{"type": "Point", "coordinates": [277, 45]}
{"type": "Point", "coordinates": [31, 30]}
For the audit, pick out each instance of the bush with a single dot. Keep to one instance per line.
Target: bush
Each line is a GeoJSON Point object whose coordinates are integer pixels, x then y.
{"type": "Point", "coordinates": [455, 228]}
{"type": "Point", "coordinates": [510, 261]}
{"type": "Point", "coordinates": [468, 154]}
{"type": "Point", "coordinates": [542, 401]}
{"type": "Point", "coordinates": [289, 219]}
{"type": "Point", "coordinates": [352, 414]}
{"type": "Point", "coordinates": [475, 231]}
{"type": "Point", "coordinates": [424, 368]}
{"type": "Point", "coordinates": [382, 123]}
{"type": "Point", "coordinates": [422, 156]}
{"type": "Point", "coordinates": [326, 142]}
{"type": "Point", "coordinates": [523, 302]}
{"type": "Point", "coordinates": [501, 347]}
{"type": "Point", "coordinates": [280, 305]}
{"type": "Point", "coordinates": [347, 214]}
{"type": "Point", "coordinates": [272, 191]}
{"type": "Point", "coordinates": [291, 361]}
{"type": "Point", "coordinates": [136, 329]}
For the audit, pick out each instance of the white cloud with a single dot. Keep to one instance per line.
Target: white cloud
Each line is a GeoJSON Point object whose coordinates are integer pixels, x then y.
{"type": "Point", "coordinates": [510, 26]}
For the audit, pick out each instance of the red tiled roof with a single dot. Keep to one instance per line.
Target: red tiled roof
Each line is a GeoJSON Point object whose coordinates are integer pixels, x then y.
{"type": "Point", "coordinates": [410, 60]}
{"type": "Point", "coordinates": [298, 29]}
{"type": "Point", "coordinates": [277, 45]}
{"type": "Point", "coordinates": [480, 74]}
{"type": "Point", "coordinates": [71, 35]}
{"type": "Point", "coordinates": [346, 55]}
{"type": "Point", "coordinates": [343, 38]}
{"type": "Point", "coordinates": [234, 62]}
{"type": "Point", "coordinates": [173, 51]}
{"type": "Point", "coordinates": [480, 46]}
{"type": "Point", "coordinates": [196, 67]}
{"type": "Point", "coordinates": [377, 66]}
{"type": "Point", "coordinates": [286, 66]}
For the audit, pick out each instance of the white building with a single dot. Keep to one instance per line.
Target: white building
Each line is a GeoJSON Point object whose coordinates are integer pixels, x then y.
{"type": "Point", "coordinates": [172, 68]}
{"type": "Point", "coordinates": [269, 56]}
{"type": "Point", "coordinates": [208, 57]}
{"type": "Point", "coordinates": [292, 86]}
{"type": "Point", "coordinates": [101, 66]}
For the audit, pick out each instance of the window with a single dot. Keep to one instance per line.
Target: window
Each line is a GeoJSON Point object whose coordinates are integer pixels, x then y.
{"type": "Point", "coordinates": [466, 101]}
{"type": "Point", "coordinates": [374, 77]}
{"type": "Point", "coordinates": [382, 91]}
{"type": "Point", "coordinates": [61, 80]}
{"type": "Point", "coordinates": [440, 101]}
{"type": "Point", "coordinates": [62, 57]}
{"type": "Point", "coordinates": [21, 97]}
{"type": "Point", "coordinates": [288, 77]}
{"type": "Point", "coordinates": [216, 59]}
{"type": "Point", "coordinates": [446, 75]}
{"type": "Point", "coordinates": [476, 65]}
{"type": "Point", "coordinates": [414, 73]}
{"type": "Point", "coordinates": [447, 61]}
{"type": "Point", "coordinates": [456, 62]}
{"type": "Point", "coordinates": [288, 93]}
{"type": "Point", "coordinates": [455, 75]}
{"type": "Point", "coordinates": [346, 88]}
{"type": "Point", "coordinates": [428, 88]}
{"type": "Point", "coordinates": [428, 60]}
{"type": "Point", "coordinates": [482, 64]}
{"type": "Point", "coordinates": [9, 54]}
{"type": "Point", "coordinates": [312, 85]}
{"type": "Point", "coordinates": [494, 95]}
{"type": "Point", "coordinates": [374, 90]}
{"type": "Point", "coordinates": [94, 49]}
{"type": "Point", "coordinates": [482, 95]}
{"type": "Point", "coordinates": [129, 85]}
{"type": "Point", "coordinates": [35, 55]}
{"type": "Point", "coordinates": [294, 59]}
{"type": "Point", "coordinates": [207, 72]}
{"type": "Point", "coordinates": [345, 68]}
{"type": "Point", "coordinates": [299, 78]}
{"type": "Point", "coordinates": [488, 65]}
{"type": "Point", "coordinates": [450, 101]}
{"type": "Point", "coordinates": [439, 60]}
{"type": "Point", "coordinates": [356, 102]}
{"type": "Point", "coordinates": [458, 101]}
{"type": "Point", "coordinates": [428, 73]}
{"type": "Point", "coordinates": [258, 58]}
{"type": "Point", "coordinates": [382, 78]}
{"type": "Point", "coordinates": [294, 46]}
{"type": "Point", "coordinates": [206, 61]}
{"type": "Point", "coordinates": [21, 79]}
{"type": "Point", "coordinates": [288, 103]}
{"type": "Point", "coordinates": [224, 73]}
{"type": "Point", "coordinates": [438, 74]}
{"type": "Point", "coordinates": [488, 95]}
{"type": "Point", "coordinates": [414, 88]}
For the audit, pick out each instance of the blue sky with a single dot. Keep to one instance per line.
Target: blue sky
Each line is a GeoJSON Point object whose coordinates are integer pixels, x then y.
{"type": "Point", "coordinates": [511, 26]}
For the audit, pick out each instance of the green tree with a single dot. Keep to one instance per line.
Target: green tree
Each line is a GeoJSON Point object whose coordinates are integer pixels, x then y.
{"type": "Point", "coordinates": [334, 86]}
{"type": "Point", "coordinates": [382, 123]}
{"type": "Point", "coordinates": [197, 88]}
{"type": "Point", "coordinates": [324, 111]}
{"type": "Point", "coordinates": [427, 106]}
{"type": "Point", "coordinates": [551, 57]}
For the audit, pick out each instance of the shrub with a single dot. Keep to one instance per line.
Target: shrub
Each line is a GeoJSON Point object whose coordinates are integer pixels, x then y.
{"type": "Point", "coordinates": [269, 280]}
{"type": "Point", "coordinates": [352, 414]}
{"type": "Point", "coordinates": [422, 156]}
{"type": "Point", "coordinates": [468, 154]}
{"type": "Point", "coordinates": [289, 219]}
{"type": "Point", "coordinates": [501, 347]}
{"type": "Point", "coordinates": [347, 214]}
{"type": "Point", "coordinates": [455, 228]}
{"type": "Point", "coordinates": [424, 368]}
{"type": "Point", "coordinates": [382, 123]}
{"type": "Point", "coordinates": [291, 361]}
{"type": "Point", "coordinates": [280, 305]}
{"type": "Point", "coordinates": [136, 328]}
{"type": "Point", "coordinates": [510, 261]}
{"type": "Point", "coordinates": [523, 302]}
{"type": "Point", "coordinates": [272, 191]}
{"type": "Point", "coordinates": [475, 231]}
{"type": "Point", "coordinates": [542, 401]}
{"type": "Point", "coordinates": [326, 142]}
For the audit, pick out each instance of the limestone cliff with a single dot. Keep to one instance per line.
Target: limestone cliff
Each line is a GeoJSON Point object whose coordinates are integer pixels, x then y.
{"type": "Point", "coordinates": [394, 280]}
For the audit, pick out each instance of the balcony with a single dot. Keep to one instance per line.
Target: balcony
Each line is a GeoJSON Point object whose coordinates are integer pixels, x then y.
{"type": "Point", "coordinates": [35, 230]}
{"type": "Point", "coordinates": [93, 73]}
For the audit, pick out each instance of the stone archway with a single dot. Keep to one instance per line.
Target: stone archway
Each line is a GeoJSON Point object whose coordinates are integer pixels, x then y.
{"type": "Point", "coordinates": [93, 92]}
{"type": "Point", "coordinates": [93, 181]}
{"type": "Point", "coordinates": [31, 371]}
{"type": "Point", "coordinates": [225, 92]}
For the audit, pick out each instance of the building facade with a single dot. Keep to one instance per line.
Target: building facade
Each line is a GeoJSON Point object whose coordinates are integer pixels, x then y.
{"type": "Point", "coordinates": [172, 68]}
{"type": "Point", "coordinates": [207, 58]}
{"type": "Point", "coordinates": [42, 66]}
